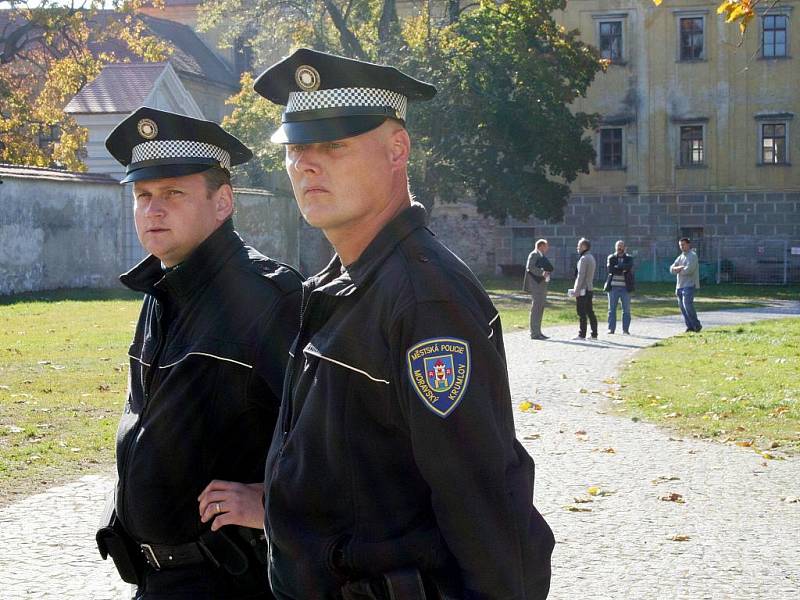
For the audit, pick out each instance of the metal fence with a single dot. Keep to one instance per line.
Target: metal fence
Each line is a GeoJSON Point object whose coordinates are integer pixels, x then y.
{"type": "Point", "coordinates": [722, 260]}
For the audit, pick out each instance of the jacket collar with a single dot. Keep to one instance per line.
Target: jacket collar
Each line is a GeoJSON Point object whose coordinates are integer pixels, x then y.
{"type": "Point", "coordinates": [339, 281]}
{"type": "Point", "coordinates": [182, 280]}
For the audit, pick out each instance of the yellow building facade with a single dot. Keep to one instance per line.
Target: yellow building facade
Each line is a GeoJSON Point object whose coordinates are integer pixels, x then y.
{"type": "Point", "coordinates": [692, 105]}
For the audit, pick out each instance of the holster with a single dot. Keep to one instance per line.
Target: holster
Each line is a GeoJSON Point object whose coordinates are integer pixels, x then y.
{"type": "Point", "coordinates": [402, 584]}
{"type": "Point", "coordinates": [112, 540]}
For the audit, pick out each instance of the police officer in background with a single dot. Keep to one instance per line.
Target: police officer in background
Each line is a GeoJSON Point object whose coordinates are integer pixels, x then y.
{"type": "Point", "coordinates": [394, 471]}
{"type": "Point", "coordinates": [206, 368]}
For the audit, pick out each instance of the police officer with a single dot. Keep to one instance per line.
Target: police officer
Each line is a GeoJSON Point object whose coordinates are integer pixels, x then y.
{"type": "Point", "coordinates": [394, 470]}
{"type": "Point", "coordinates": [206, 364]}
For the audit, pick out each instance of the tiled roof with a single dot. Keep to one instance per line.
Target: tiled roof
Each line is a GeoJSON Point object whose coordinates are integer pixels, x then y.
{"type": "Point", "coordinates": [120, 88]}
{"type": "Point", "coordinates": [190, 55]}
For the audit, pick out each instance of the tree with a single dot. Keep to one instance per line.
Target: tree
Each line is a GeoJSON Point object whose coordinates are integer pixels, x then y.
{"type": "Point", "coordinates": [46, 57]}
{"type": "Point", "coordinates": [499, 129]}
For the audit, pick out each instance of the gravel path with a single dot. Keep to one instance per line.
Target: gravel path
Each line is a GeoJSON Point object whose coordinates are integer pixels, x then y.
{"type": "Point", "coordinates": [741, 526]}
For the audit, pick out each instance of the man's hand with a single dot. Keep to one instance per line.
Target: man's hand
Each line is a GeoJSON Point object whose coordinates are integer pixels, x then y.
{"type": "Point", "coordinates": [232, 503]}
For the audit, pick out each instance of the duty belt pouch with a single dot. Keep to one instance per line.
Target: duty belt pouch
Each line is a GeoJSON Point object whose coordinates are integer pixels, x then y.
{"type": "Point", "coordinates": [401, 584]}
{"type": "Point", "coordinates": [112, 540]}
{"type": "Point", "coordinates": [226, 551]}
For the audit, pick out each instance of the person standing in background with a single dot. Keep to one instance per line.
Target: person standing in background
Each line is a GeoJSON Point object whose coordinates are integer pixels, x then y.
{"type": "Point", "coordinates": [686, 269]}
{"type": "Point", "coordinates": [584, 281]}
{"type": "Point", "coordinates": [537, 276]}
{"type": "Point", "coordinates": [619, 285]}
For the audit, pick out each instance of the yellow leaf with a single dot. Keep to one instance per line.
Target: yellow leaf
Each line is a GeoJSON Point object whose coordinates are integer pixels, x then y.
{"type": "Point", "coordinates": [525, 406]}
{"type": "Point", "coordinates": [657, 2]}
{"type": "Point", "coordinates": [680, 538]}
{"type": "Point", "coordinates": [593, 491]}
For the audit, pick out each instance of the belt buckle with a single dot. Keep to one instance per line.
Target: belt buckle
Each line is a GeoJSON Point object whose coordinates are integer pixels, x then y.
{"type": "Point", "coordinates": [150, 556]}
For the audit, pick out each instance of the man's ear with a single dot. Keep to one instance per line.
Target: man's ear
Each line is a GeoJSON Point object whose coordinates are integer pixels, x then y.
{"type": "Point", "coordinates": [399, 147]}
{"type": "Point", "coordinates": [223, 202]}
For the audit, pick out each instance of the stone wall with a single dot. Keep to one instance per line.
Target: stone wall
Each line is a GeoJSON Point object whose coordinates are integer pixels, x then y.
{"type": "Point", "coordinates": [743, 226]}
{"type": "Point", "coordinates": [72, 230]}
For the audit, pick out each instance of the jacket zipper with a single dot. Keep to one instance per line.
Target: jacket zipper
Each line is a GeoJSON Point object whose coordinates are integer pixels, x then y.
{"type": "Point", "coordinates": [148, 379]}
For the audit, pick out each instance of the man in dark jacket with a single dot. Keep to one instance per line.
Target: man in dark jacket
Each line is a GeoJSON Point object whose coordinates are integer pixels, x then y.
{"type": "Point", "coordinates": [619, 285]}
{"type": "Point", "coordinates": [206, 363]}
{"type": "Point", "coordinates": [538, 271]}
{"type": "Point", "coordinates": [394, 471]}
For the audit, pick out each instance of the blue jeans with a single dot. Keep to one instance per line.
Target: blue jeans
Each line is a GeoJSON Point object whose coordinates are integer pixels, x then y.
{"type": "Point", "coordinates": [616, 295]}
{"type": "Point", "coordinates": [686, 302]}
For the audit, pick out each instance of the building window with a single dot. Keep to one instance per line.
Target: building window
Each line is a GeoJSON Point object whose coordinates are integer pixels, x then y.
{"type": "Point", "coordinates": [692, 151]}
{"type": "Point", "coordinates": [611, 40]}
{"type": "Point", "coordinates": [691, 38]}
{"type": "Point", "coordinates": [611, 148]}
{"type": "Point", "coordinates": [773, 38]}
{"type": "Point", "coordinates": [773, 143]}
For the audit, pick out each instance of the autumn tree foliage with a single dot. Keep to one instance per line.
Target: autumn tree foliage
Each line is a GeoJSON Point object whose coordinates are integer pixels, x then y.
{"type": "Point", "coordinates": [46, 57]}
{"type": "Point", "coordinates": [500, 131]}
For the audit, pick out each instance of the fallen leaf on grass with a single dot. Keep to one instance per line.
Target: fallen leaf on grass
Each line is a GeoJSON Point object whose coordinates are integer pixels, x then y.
{"type": "Point", "coordinates": [680, 538]}
{"type": "Point", "coordinates": [596, 491]}
{"type": "Point", "coordinates": [791, 499]}
{"type": "Point", "coordinates": [582, 500]}
{"type": "Point", "coordinates": [664, 478]}
{"type": "Point", "coordinates": [744, 443]}
{"type": "Point", "coordinates": [528, 406]}
{"type": "Point", "coordinates": [581, 435]}
{"type": "Point", "coordinates": [609, 381]}
{"type": "Point", "coordinates": [572, 508]}
{"type": "Point", "coordinates": [605, 450]}
{"type": "Point", "coordinates": [583, 391]}
{"type": "Point", "coordinates": [563, 376]}
{"type": "Point", "coordinates": [533, 436]}
{"type": "Point", "coordinates": [673, 497]}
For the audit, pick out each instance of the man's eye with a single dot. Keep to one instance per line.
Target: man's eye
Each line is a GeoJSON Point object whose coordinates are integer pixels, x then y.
{"type": "Point", "coordinates": [335, 145]}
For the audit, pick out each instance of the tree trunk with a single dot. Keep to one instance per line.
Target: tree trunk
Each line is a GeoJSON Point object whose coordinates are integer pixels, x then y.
{"type": "Point", "coordinates": [349, 41]}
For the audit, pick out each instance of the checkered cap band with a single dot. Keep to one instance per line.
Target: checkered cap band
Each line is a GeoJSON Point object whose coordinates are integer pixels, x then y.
{"type": "Point", "coordinates": [160, 149]}
{"type": "Point", "coordinates": [343, 97]}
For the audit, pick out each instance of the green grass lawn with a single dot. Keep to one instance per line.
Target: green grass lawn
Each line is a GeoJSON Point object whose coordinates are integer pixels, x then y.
{"type": "Point", "coordinates": [649, 300]}
{"type": "Point", "coordinates": [63, 374]}
{"type": "Point", "coordinates": [63, 370]}
{"type": "Point", "coordinates": [737, 384]}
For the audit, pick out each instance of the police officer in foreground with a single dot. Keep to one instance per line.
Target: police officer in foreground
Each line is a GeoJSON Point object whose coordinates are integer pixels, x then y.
{"type": "Point", "coordinates": [394, 471]}
{"type": "Point", "coordinates": [207, 363]}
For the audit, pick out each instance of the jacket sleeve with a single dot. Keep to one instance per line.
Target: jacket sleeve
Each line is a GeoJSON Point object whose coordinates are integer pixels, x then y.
{"type": "Point", "coordinates": [279, 326]}
{"type": "Point", "coordinates": [531, 262]}
{"type": "Point", "coordinates": [691, 264]}
{"type": "Point", "coordinates": [580, 278]}
{"type": "Point", "coordinates": [675, 263]}
{"type": "Point", "coordinates": [463, 444]}
{"type": "Point", "coordinates": [544, 264]}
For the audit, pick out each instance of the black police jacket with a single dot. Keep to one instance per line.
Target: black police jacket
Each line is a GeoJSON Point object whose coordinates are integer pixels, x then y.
{"type": "Point", "coordinates": [372, 467]}
{"type": "Point", "coordinates": [206, 370]}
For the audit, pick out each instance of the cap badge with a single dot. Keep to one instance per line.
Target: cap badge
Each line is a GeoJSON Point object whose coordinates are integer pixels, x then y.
{"type": "Point", "coordinates": [147, 129]}
{"type": "Point", "coordinates": [307, 78]}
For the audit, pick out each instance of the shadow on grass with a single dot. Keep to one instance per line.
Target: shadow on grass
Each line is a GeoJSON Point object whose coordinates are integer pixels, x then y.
{"type": "Point", "coordinates": [74, 295]}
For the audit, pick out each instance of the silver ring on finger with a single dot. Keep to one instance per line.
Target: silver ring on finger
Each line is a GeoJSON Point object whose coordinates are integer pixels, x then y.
{"type": "Point", "coordinates": [219, 508]}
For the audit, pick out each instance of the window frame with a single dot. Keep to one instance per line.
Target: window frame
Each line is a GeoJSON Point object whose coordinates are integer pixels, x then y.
{"type": "Point", "coordinates": [702, 53]}
{"type": "Point", "coordinates": [622, 19]}
{"type": "Point", "coordinates": [783, 119]}
{"type": "Point", "coordinates": [600, 166]}
{"type": "Point", "coordinates": [764, 31]}
{"type": "Point", "coordinates": [703, 146]}
{"type": "Point", "coordinates": [697, 13]}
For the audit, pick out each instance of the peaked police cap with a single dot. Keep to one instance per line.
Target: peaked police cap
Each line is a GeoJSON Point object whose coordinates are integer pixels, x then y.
{"type": "Point", "coordinates": [330, 97]}
{"type": "Point", "coordinates": [154, 144]}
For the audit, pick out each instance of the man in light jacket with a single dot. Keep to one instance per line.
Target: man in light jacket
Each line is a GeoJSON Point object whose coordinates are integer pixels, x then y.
{"type": "Point", "coordinates": [584, 282]}
{"type": "Point", "coordinates": [686, 269]}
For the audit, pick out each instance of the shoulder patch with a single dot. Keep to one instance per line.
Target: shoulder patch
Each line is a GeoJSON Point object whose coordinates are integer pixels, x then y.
{"type": "Point", "coordinates": [439, 369]}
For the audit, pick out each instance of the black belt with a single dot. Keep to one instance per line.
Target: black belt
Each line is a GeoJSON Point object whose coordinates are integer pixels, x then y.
{"type": "Point", "coordinates": [161, 556]}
